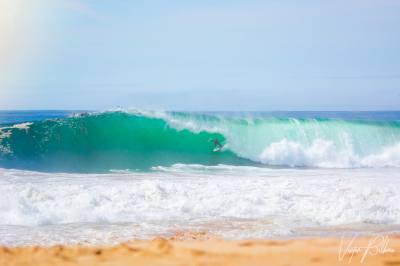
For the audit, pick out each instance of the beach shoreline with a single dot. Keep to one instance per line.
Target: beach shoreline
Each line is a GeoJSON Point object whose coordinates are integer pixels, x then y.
{"type": "Point", "coordinates": [201, 249]}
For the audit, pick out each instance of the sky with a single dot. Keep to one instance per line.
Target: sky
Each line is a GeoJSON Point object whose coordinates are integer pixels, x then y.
{"type": "Point", "coordinates": [200, 55]}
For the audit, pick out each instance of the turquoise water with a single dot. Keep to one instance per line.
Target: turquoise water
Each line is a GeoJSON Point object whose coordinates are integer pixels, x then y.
{"type": "Point", "coordinates": [122, 140]}
{"type": "Point", "coordinates": [110, 177]}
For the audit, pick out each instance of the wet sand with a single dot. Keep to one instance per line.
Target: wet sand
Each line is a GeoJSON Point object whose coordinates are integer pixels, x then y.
{"type": "Point", "coordinates": [199, 249]}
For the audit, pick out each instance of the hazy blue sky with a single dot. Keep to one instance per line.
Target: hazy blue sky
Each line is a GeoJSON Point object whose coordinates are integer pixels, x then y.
{"type": "Point", "coordinates": [200, 55]}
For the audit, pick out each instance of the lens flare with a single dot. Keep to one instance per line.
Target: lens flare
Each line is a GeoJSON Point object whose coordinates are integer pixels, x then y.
{"type": "Point", "coordinates": [20, 35]}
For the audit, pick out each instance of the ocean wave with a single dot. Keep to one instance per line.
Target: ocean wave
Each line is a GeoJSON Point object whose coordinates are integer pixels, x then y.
{"type": "Point", "coordinates": [141, 140]}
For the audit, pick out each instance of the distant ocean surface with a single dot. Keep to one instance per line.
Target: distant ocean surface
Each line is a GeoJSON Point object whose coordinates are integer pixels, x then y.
{"type": "Point", "coordinates": [106, 177]}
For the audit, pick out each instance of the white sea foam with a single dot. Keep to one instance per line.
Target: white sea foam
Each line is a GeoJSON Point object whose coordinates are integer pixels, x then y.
{"type": "Point", "coordinates": [234, 202]}
{"type": "Point", "coordinates": [389, 157]}
{"type": "Point", "coordinates": [323, 153]}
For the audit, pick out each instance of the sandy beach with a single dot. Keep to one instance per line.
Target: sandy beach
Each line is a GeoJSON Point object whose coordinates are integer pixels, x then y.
{"type": "Point", "coordinates": [198, 249]}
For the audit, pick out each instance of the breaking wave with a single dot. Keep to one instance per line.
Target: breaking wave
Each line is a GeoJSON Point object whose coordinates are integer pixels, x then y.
{"type": "Point", "coordinates": [141, 140]}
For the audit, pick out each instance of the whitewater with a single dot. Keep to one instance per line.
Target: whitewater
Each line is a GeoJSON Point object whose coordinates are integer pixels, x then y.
{"type": "Point", "coordinates": [108, 177]}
